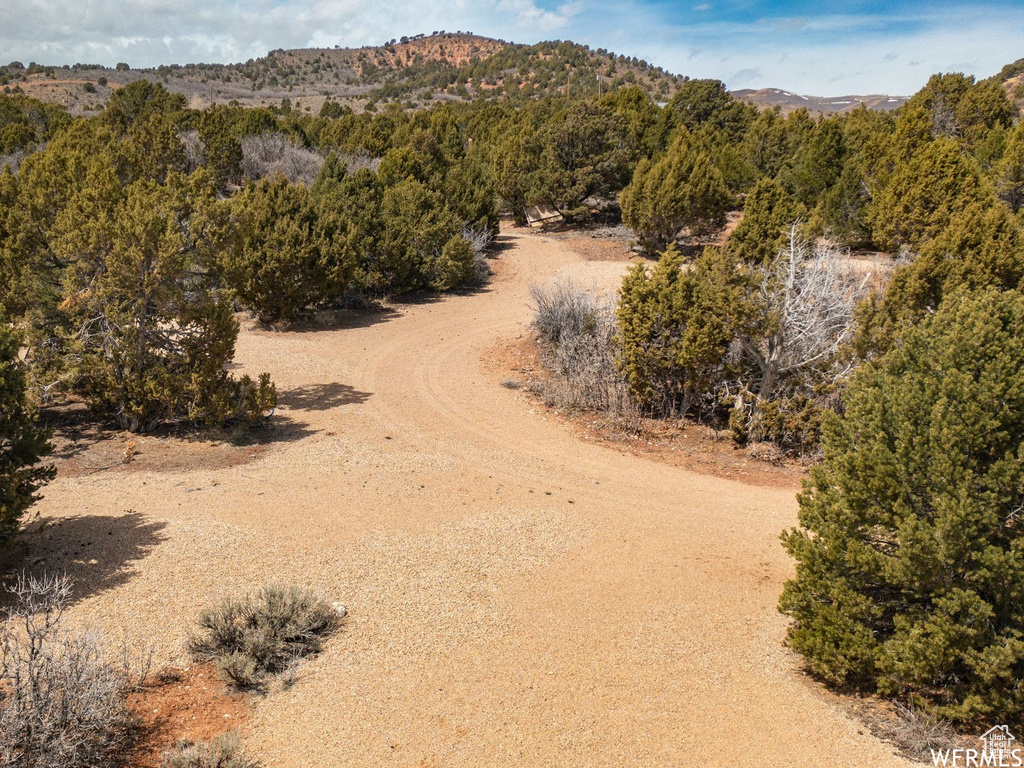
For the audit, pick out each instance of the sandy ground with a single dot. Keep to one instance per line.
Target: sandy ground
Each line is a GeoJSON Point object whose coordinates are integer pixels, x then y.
{"type": "Point", "coordinates": [517, 596]}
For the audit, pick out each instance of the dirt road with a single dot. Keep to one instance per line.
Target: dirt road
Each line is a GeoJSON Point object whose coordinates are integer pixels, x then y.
{"type": "Point", "coordinates": [517, 596]}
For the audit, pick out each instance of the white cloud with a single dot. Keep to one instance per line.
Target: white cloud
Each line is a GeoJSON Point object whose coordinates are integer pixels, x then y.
{"type": "Point", "coordinates": [824, 55]}
{"type": "Point", "coordinates": [145, 32]}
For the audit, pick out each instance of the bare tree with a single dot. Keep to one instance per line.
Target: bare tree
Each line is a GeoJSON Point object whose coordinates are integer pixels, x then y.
{"type": "Point", "coordinates": [360, 159]}
{"type": "Point", "coordinates": [62, 695]}
{"type": "Point", "coordinates": [479, 239]}
{"type": "Point", "coordinates": [13, 160]}
{"type": "Point", "coordinates": [270, 153]}
{"type": "Point", "coordinates": [194, 152]}
{"type": "Point", "coordinates": [809, 294]}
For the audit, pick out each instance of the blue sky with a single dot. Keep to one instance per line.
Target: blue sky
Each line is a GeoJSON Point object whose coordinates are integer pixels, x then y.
{"type": "Point", "coordinates": [818, 48]}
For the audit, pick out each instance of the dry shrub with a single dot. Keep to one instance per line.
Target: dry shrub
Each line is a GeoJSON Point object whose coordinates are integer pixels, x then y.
{"type": "Point", "coordinates": [62, 695]}
{"type": "Point", "coordinates": [767, 452]}
{"type": "Point", "coordinates": [562, 309]}
{"type": "Point", "coordinates": [193, 146]}
{"type": "Point", "coordinates": [263, 633]}
{"type": "Point", "coordinates": [480, 240]}
{"type": "Point", "coordinates": [13, 160]}
{"type": "Point", "coordinates": [222, 752]}
{"type": "Point", "coordinates": [913, 731]}
{"type": "Point", "coordinates": [578, 332]}
{"type": "Point", "coordinates": [270, 153]}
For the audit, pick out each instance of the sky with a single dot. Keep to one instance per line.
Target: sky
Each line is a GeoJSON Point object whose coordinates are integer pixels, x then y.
{"type": "Point", "coordinates": [822, 48]}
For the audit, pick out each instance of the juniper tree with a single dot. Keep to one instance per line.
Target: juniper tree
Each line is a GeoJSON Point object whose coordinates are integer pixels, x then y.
{"type": "Point", "coordinates": [924, 193]}
{"type": "Point", "coordinates": [910, 554]}
{"type": "Point", "coordinates": [1010, 171]}
{"type": "Point", "coordinates": [682, 189]}
{"type": "Point", "coordinates": [292, 254]}
{"type": "Point", "coordinates": [676, 326]}
{"type": "Point", "coordinates": [22, 442]}
{"type": "Point", "coordinates": [982, 246]}
{"type": "Point", "coordinates": [768, 214]}
{"type": "Point", "coordinates": [133, 319]}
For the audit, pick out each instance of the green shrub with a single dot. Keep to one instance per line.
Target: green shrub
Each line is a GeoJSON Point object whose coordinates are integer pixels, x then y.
{"type": "Point", "coordinates": [263, 633]}
{"type": "Point", "coordinates": [676, 327]}
{"type": "Point", "coordinates": [910, 559]}
{"type": "Point", "coordinates": [683, 189]}
{"type": "Point", "coordinates": [22, 443]}
{"type": "Point", "coordinates": [769, 214]}
{"type": "Point", "coordinates": [290, 257]}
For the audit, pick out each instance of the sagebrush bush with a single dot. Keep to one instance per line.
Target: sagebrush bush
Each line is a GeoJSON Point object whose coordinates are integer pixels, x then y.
{"type": "Point", "coordinates": [563, 309]}
{"type": "Point", "coordinates": [267, 154]}
{"type": "Point", "coordinates": [223, 751]}
{"type": "Point", "coordinates": [910, 560]}
{"type": "Point", "coordinates": [263, 633]}
{"type": "Point", "coordinates": [577, 330]}
{"type": "Point", "coordinates": [62, 695]}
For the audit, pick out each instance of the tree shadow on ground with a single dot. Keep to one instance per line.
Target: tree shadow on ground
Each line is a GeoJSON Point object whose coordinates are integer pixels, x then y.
{"type": "Point", "coordinates": [413, 298]}
{"type": "Point", "coordinates": [321, 397]}
{"type": "Point", "coordinates": [500, 244]}
{"type": "Point", "coordinates": [337, 320]}
{"type": "Point", "coordinates": [85, 447]}
{"type": "Point", "coordinates": [97, 552]}
{"type": "Point", "coordinates": [74, 428]}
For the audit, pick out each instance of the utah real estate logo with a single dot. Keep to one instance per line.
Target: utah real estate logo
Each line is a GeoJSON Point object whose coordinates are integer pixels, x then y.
{"type": "Point", "coordinates": [998, 751]}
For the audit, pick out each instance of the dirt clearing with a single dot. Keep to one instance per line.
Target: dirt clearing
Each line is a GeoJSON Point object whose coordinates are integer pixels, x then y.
{"type": "Point", "coordinates": [517, 596]}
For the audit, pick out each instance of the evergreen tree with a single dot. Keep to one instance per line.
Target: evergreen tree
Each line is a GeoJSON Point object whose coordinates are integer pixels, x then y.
{"type": "Point", "coordinates": [138, 326]}
{"type": "Point", "coordinates": [924, 193]}
{"type": "Point", "coordinates": [291, 256]}
{"type": "Point", "coordinates": [767, 143]}
{"type": "Point", "coordinates": [961, 109]}
{"type": "Point", "coordinates": [26, 122]}
{"type": "Point", "coordinates": [1009, 172]}
{"type": "Point", "coordinates": [22, 443]}
{"type": "Point", "coordinates": [768, 214]}
{"type": "Point", "coordinates": [139, 100]}
{"type": "Point", "coordinates": [818, 164]}
{"type": "Point", "coordinates": [682, 189]}
{"type": "Point", "coordinates": [418, 247]}
{"type": "Point", "coordinates": [983, 246]}
{"type": "Point", "coordinates": [699, 103]}
{"type": "Point", "coordinates": [842, 212]}
{"type": "Point", "coordinates": [676, 326]}
{"type": "Point", "coordinates": [910, 558]}
{"type": "Point", "coordinates": [222, 149]}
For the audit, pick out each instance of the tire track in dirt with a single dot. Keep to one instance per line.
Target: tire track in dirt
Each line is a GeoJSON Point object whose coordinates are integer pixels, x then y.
{"type": "Point", "coordinates": [517, 597]}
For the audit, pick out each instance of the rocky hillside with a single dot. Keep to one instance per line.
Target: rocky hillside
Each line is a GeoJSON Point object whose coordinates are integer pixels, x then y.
{"type": "Point", "coordinates": [1012, 79]}
{"type": "Point", "coordinates": [413, 71]}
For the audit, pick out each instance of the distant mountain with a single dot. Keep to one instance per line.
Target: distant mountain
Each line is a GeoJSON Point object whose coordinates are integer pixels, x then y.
{"type": "Point", "coordinates": [416, 71]}
{"type": "Point", "coordinates": [767, 98]}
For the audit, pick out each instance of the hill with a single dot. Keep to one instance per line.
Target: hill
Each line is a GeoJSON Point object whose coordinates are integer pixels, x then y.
{"type": "Point", "coordinates": [415, 71]}
{"type": "Point", "coordinates": [767, 98]}
{"type": "Point", "coordinates": [1011, 77]}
